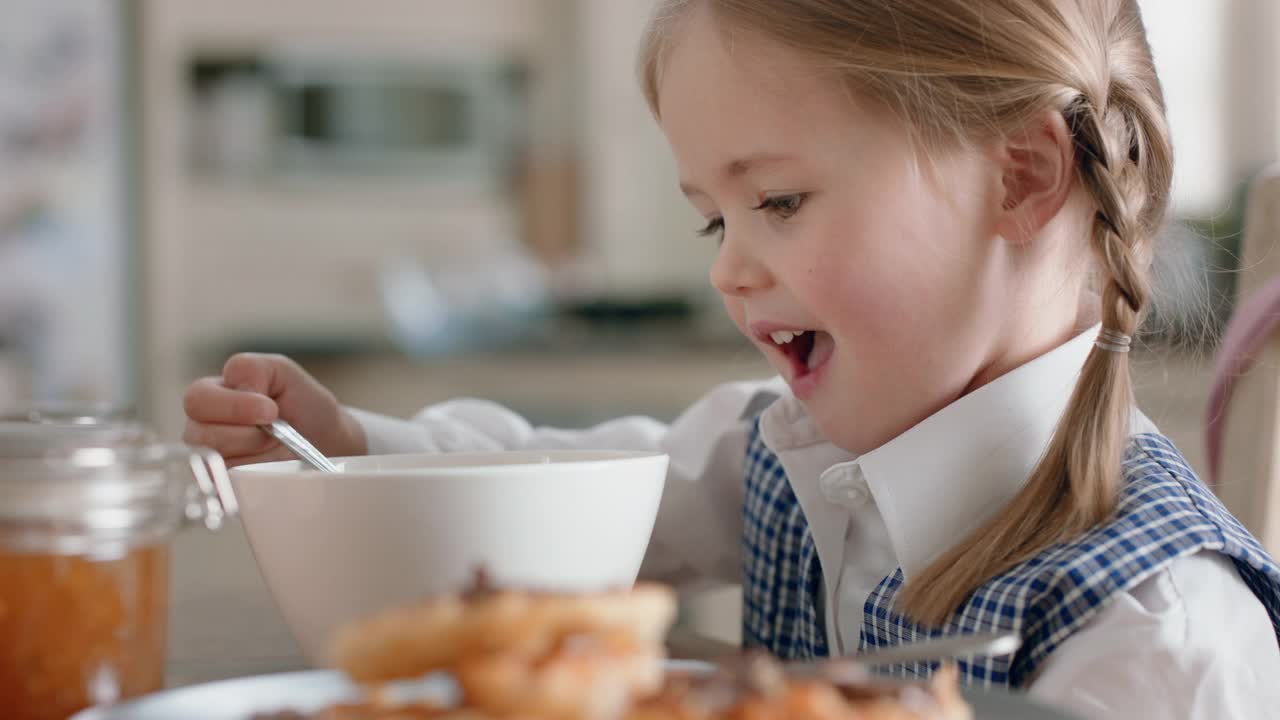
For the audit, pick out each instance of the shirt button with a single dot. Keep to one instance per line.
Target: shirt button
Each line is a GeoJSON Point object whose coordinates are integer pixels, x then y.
{"type": "Point", "coordinates": [855, 495]}
{"type": "Point", "coordinates": [846, 489]}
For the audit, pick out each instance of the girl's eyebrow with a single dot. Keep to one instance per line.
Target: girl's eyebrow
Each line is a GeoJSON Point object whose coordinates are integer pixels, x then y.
{"type": "Point", "coordinates": [739, 167]}
{"type": "Point", "coordinates": [744, 165]}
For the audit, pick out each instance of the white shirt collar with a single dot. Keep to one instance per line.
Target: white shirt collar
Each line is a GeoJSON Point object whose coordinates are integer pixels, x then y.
{"type": "Point", "coordinates": [947, 475]}
{"type": "Point", "coordinates": [942, 478]}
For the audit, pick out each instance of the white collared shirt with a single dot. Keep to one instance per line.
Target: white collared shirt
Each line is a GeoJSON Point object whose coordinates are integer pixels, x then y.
{"type": "Point", "coordinates": [1190, 642]}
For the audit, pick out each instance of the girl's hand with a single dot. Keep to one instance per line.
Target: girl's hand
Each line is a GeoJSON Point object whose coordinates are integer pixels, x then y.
{"type": "Point", "coordinates": [223, 413]}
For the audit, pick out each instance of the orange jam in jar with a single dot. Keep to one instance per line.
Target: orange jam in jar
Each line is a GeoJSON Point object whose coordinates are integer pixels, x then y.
{"type": "Point", "coordinates": [79, 631]}
{"type": "Point", "coordinates": [87, 514]}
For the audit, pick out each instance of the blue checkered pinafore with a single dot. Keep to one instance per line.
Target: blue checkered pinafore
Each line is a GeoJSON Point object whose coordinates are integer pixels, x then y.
{"type": "Point", "coordinates": [1164, 513]}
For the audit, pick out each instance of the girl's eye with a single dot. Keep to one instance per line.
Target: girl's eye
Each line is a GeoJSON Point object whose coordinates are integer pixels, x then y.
{"type": "Point", "coordinates": [784, 206]}
{"type": "Point", "coordinates": [714, 227]}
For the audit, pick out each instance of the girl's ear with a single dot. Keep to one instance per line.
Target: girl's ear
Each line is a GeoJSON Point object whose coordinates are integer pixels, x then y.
{"type": "Point", "coordinates": [1038, 171]}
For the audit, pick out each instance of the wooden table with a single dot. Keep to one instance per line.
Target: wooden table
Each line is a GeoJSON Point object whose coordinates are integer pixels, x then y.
{"type": "Point", "coordinates": [222, 620]}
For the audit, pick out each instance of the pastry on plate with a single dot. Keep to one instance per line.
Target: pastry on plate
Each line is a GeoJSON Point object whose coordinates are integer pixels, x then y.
{"type": "Point", "coordinates": [528, 655]}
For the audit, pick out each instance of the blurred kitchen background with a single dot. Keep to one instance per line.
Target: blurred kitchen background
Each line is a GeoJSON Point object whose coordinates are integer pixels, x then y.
{"type": "Point", "coordinates": [421, 199]}
{"type": "Point", "coordinates": [414, 198]}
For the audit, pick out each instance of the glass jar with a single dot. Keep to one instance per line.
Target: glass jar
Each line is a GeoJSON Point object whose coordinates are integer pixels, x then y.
{"type": "Point", "coordinates": [88, 510]}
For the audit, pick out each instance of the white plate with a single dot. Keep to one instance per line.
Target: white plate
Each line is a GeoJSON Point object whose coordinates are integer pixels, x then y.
{"type": "Point", "coordinates": [312, 690]}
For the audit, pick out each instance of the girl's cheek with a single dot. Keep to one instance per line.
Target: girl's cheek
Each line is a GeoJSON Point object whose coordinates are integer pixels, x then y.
{"type": "Point", "coordinates": [865, 299]}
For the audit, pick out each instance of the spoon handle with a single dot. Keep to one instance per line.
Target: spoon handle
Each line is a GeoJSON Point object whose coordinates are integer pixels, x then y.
{"type": "Point", "coordinates": [994, 644]}
{"type": "Point", "coordinates": [306, 452]}
{"type": "Point", "coordinates": [856, 666]}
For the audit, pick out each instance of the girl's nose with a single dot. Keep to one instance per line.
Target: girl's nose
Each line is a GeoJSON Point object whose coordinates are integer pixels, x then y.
{"type": "Point", "coordinates": [738, 271]}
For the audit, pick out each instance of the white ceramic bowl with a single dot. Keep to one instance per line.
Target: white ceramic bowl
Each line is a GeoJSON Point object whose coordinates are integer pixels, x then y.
{"type": "Point", "coordinates": [393, 528]}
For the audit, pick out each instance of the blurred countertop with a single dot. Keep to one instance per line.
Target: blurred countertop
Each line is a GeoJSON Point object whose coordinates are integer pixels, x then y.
{"type": "Point", "coordinates": [567, 373]}
{"type": "Point", "coordinates": [222, 620]}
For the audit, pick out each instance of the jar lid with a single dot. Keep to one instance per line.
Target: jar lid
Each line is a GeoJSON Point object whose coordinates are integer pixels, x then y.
{"type": "Point", "coordinates": [44, 437]}
{"type": "Point", "coordinates": [76, 485]}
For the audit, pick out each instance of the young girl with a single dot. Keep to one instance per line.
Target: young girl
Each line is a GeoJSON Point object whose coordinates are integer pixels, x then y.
{"type": "Point", "coordinates": [935, 218]}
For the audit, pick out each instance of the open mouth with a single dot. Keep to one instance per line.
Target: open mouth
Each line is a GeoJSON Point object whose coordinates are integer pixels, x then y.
{"type": "Point", "coordinates": [806, 349]}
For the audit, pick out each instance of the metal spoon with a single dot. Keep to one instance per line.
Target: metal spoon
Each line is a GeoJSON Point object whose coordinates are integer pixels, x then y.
{"type": "Point", "coordinates": [957, 646]}
{"type": "Point", "coordinates": [855, 671]}
{"type": "Point", "coordinates": [299, 445]}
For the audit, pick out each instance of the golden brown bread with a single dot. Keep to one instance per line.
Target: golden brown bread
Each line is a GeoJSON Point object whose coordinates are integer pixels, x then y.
{"type": "Point", "coordinates": [594, 656]}
{"type": "Point", "coordinates": [439, 633]}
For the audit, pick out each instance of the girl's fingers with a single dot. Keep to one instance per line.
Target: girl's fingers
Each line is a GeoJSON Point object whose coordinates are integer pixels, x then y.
{"type": "Point", "coordinates": [208, 401]}
{"type": "Point", "coordinates": [233, 442]}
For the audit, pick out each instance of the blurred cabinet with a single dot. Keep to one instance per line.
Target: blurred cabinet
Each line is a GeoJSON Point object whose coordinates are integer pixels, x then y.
{"type": "Point", "coordinates": [242, 255]}
{"type": "Point", "coordinates": [239, 255]}
{"type": "Point", "coordinates": [637, 226]}
{"type": "Point", "coordinates": [1220, 70]}
{"type": "Point", "coordinates": [548, 388]}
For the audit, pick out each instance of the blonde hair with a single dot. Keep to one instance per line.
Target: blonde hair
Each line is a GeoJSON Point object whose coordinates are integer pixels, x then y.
{"type": "Point", "coordinates": [960, 71]}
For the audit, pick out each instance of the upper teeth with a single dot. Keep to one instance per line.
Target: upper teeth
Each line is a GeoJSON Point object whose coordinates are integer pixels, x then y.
{"type": "Point", "coordinates": [782, 337]}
